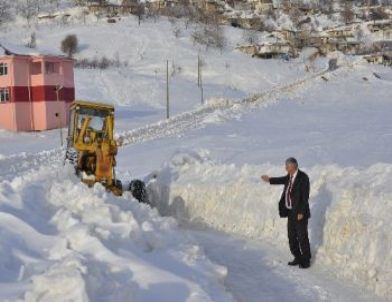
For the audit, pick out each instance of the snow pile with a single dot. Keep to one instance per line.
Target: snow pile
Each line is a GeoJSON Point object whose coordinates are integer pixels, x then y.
{"type": "Point", "coordinates": [62, 241]}
{"type": "Point", "coordinates": [351, 211]}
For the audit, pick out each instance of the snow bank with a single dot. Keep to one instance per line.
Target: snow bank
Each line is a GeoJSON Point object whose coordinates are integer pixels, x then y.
{"type": "Point", "coordinates": [351, 210]}
{"type": "Point", "coordinates": [62, 241]}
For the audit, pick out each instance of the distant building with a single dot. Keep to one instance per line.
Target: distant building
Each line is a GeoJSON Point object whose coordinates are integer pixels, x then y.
{"type": "Point", "coordinates": [384, 58]}
{"type": "Point", "coordinates": [341, 32]}
{"type": "Point", "coordinates": [268, 50]}
{"type": "Point", "coordinates": [262, 5]}
{"type": "Point", "coordinates": [28, 91]}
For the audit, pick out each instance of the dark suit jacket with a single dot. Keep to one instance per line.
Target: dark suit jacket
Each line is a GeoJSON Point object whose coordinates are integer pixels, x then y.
{"type": "Point", "coordinates": [299, 194]}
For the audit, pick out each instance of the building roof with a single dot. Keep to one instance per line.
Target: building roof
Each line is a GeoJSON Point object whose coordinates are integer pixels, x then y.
{"type": "Point", "coordinates": [10, 49]}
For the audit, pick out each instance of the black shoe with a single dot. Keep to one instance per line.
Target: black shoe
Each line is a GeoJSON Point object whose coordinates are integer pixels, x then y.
{"type": "Point", "coordinates": [304, 265]}
{"type": "Point", "coordinates": [294, 262]}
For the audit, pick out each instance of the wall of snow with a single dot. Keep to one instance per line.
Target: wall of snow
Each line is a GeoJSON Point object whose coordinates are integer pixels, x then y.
{"type": "Point", "coordinates": [350, 228]}
{"type": "Point", "coordinates": [63, 241]}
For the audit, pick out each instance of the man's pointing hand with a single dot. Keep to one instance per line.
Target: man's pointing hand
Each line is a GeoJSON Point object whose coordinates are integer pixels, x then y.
{"type": "Point", "coordinates": [265, 178]}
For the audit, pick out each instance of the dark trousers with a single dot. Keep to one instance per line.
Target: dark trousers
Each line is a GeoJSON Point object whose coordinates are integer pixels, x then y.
{"type": "Point", "coordinates": [298, 238]}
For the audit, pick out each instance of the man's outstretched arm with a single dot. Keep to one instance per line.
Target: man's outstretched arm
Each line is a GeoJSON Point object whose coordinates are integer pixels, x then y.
{"type": "Point", "coordinates": [274, 180]}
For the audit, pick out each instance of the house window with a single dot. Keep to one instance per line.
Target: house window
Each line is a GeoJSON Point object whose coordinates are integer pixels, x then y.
{"type": "Point", "coordinates": [3, 69]}
{"type": "Point", "coordinates": [4, 95]}
{"type": "Point", "coordinates": [51, 67]}
{"type": "Point", "coordinates": [36, 68]}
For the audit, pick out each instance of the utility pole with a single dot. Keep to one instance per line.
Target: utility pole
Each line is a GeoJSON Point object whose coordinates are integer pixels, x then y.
{"type": "Point", "coordinates": [58, 114]}
{"type": "Point", "coordinates": [167, 90]}
{"type": "Point", "coordinates": [198, 70]}
{"type": "Point", "coordinates": [200, 79]}
{"type": "Point", "coordinates": [202, 94]}
{"type": "Point", "coordinates": [383, 39]}
{"type": "Point", "coordinates": [201, 89]}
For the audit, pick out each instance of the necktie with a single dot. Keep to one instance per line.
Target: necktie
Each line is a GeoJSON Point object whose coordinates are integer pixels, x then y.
{"type": "Point", "coordinates": [289, 191]}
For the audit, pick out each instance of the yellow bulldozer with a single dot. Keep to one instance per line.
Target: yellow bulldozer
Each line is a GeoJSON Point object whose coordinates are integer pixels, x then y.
{"type": "Point", "coordinates": [92, 148]}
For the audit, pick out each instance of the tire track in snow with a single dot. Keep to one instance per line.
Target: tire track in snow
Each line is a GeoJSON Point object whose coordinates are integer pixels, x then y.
{"type": "Point", "coordinates": [197, 119]}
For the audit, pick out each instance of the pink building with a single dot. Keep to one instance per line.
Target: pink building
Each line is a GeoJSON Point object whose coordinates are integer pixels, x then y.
{"type": "Point", "coordinates": [35, 91]}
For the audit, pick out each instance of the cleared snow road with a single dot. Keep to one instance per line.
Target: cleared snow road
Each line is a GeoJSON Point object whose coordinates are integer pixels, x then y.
{"type": "Point", "coordinates": [257, 272]}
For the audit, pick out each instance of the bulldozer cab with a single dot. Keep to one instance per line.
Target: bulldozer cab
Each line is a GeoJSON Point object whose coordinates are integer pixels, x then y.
{"type": "Point", "coordinates": [89, 123]}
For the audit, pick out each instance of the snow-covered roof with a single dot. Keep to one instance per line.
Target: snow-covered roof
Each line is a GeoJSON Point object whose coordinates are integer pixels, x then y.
{"type": "Point", "coordinates": [12, 49]}
{"type": "Point", "coordinates": [8, 48]}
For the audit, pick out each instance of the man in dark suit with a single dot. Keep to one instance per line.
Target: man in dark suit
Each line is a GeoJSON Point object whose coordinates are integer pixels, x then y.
{"type": "Point", "coordinates": [294, 204]}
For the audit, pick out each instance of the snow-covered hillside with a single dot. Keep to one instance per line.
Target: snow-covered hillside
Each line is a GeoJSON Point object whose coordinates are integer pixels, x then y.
{"type": "Point", "coordinates": [138, 87]}
{"type": "Point", "coordinates": [63, 241]}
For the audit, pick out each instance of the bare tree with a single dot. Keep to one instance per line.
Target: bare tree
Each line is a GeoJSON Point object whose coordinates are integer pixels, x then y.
{"type": "Point", "coordinates": [326, 7]}
{"type": "Point", "coordinates": [302, 40]}
{"type": "Point", "coordinates": [55, 4]}
{"type": "Point", "coordinates": [379, 13]}
{"type": "Point", "coordinates": [204, 17]}
{"type": "Point", "coordinates": [250, 36]}
{"type": "Point", "coordinates": [27, 9]}
{"type": "Point", "coordinates": [140, 11]}
{"type": "Point", "coordinates": [5, 14]}
{"type": "Point", "coordinates": [348, 12]}
{"type": "Point", "coordinates": [69, 45]}
{"type": "Point", "coordinates": [37, 6]}
{"type": "Point", "coordinates": [33, 41]}
{"type": "Point", "coordinates": [152, 13]}
{"type": "Point", "coordinates": [219, 37]}
{"type": "Point", "coordinates": [176, 31]}
{"type": "Point", "coordinates": [295, 14]}
{"type": "Point", "coordinates": [183, 9]}
{"type": "Point", "coordinates": [270, 13]}
{"type": "Point", "coordinates": [100, 63]}
{"type": "Point", "coordinates": [80, 2]}
{"type": "Point", "coordinates": [258, 25]}
{"type": "Point", "coordinates": [210, 36]}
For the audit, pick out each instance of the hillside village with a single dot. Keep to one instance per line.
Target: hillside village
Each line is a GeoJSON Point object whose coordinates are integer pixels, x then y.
{"type": "Point", "coordinates": [362, 27]}
{"type": "Point", "coordinates": [351, 27]}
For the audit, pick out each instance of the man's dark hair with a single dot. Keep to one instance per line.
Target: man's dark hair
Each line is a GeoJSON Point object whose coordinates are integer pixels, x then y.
{"type": "Point", "coordinates": [292, 160]}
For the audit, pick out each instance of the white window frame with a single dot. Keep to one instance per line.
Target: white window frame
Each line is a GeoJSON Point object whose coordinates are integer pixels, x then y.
{"type": "Point", "coordinates": [3, 69]}
{"type": "Point", "coordinates": [4, 95]}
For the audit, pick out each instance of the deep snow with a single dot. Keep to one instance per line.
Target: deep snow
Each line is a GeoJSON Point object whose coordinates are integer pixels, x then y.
{"type": "Point", "coordinates": [62, 241]}
{"type": "Point", "coordinates": [349, 228]}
